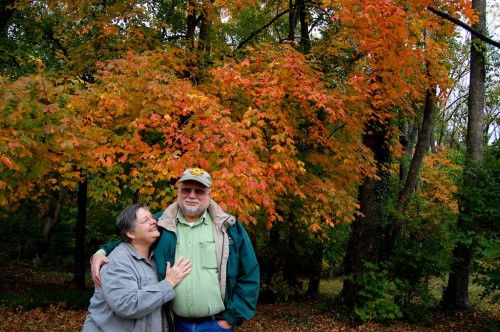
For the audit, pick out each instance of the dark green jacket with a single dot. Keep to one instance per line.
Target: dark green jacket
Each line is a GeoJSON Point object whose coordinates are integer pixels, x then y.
{"type": "Point", "coordinates": [237, 263]}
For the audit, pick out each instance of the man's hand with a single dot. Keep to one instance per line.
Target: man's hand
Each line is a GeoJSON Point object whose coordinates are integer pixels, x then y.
{"type": "Point", "coordinates": [95, 266]}
{"type": "Point", "coordinates": [224, 324]}
{"type": "Point", "coordinates": [178, 271]}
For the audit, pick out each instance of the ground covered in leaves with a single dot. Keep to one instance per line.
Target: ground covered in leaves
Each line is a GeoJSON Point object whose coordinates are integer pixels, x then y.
{"type": "Point", "coordinates": [33, 299]}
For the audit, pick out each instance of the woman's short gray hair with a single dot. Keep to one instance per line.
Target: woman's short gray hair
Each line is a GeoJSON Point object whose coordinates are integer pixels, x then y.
{"type": "Point", "coordinates": [126, 220]}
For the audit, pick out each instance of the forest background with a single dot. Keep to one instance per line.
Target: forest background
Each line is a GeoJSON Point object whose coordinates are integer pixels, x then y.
{"type": "Point", "coordinates": [356, 140]}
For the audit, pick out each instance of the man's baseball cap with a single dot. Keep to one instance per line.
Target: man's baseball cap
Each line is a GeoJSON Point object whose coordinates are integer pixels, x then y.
{"type": "Point", "coordinates": [198, 175]}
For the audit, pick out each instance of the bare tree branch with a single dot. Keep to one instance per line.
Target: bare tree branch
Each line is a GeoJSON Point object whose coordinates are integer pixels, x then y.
{"type": "Point", "coordinates": [465, 26]}
{"type": "Point", "coordinates": [255, 33]}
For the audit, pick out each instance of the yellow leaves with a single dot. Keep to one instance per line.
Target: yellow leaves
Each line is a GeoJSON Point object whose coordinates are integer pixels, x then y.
{"type": "Point", "coordinates": [147, 190]}
{"type": "Point", "coordinates": [437, 190]}
{"type": "Point", "coordinates": [315, 228]}
{"type": "Point", "coordinates": [278, 148]}
{"type": "Point", "coordinates": [300, 166]}
{"type": "Point", "coordinates": [277, 165]}
{"type": "Point", "coordinates": [470, 14]}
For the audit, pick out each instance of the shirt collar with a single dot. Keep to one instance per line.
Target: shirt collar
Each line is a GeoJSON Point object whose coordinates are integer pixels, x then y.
{"type": "Point", "coordinates": [135, 254]}
{"type": "Point", "coordinates": [201, 219]}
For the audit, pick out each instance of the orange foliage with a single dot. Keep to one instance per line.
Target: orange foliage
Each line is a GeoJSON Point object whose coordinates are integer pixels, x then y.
{"type": "Point", "coordinates": [153, 125]}
{"type": "Point", "coordinates": [438, 187]}
{"type": "Point", "coordinates": [36, 140]}
{"type": "Point", "coordinates": [309, 147]}
{"type": "Point", "coordinates": [275, 132]}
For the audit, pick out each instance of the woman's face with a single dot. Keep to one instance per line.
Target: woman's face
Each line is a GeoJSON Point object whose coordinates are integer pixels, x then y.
{"type": "Point", "coordinates": [146, 228]}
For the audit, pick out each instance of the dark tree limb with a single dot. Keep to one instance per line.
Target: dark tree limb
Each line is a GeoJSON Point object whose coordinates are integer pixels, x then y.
{"type": "Point", "coordinates": [465, 26]}
{"type": "Point", "coordinates": [255, 33]}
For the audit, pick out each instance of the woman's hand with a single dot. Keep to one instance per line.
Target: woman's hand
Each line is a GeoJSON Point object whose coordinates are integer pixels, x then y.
{"type": "Point", "coordinates": [178, 271]}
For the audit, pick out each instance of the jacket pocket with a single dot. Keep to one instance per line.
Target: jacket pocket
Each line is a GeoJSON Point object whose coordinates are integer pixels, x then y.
{"type": "Point", "coordinates": [207, 255]}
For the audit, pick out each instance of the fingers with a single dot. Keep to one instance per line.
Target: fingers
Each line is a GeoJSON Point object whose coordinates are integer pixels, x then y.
{"type": "Point", "coordinates": [186, 265]}
{"type": "Point", "coordinates": [97, 281]}
{"type": "Point", "coordinates": [95, 266]}
{"type": "Point", "coordinates": [182, 264]}
{"type": "Point", "coordinates": [96, 278]}
{"type": "Point", "coordinates": [178, 271]}
{"type": "Point", "coordinates": [179, 260]}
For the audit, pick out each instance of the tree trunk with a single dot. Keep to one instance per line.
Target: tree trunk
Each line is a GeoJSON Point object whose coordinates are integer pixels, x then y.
{"type": "Point", "coordinates": [78, 281]}
{"type": "Point", "coordinates": [420, 150]}
{"type": "Point", "coordinates": [204, 27]}
{"type": "Point", "coordinates": [305, 41]}
{"type": "Point", "coordinates": [456, 294]}
{"type": "Point", "coordinates": [191, 22]}
{"type": "Point", "coordinates": [293, 18]}
{"type": "Point", "coordinates": [364, 240]}
{"type": "Point", "coordinates": [6, 12]}
{"type": "Point", "coordinates": [53, 214]}
{"type": "Point", "coordinates": [315, 272]}
{"type": "Point", "coordinates": [407, 140]}
{"type": "Point", "coordinates": [414, 170]}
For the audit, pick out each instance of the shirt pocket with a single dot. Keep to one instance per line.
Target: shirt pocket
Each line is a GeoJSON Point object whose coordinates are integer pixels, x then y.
{"type": "Point", "coordinates": [146, 278]}
{"type": "Point", "coordinates": [146, 281]}
{"type": "Point", "coordinates": [208, 259]}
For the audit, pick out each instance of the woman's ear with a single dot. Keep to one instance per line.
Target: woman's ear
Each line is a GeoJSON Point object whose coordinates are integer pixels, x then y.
{"type": "Point", "coordinates": [130, 235]}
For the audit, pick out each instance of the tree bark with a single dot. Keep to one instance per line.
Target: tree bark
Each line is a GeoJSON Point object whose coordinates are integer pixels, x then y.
{"type": "Point", "coordinates": [364, 240]}
{"type": "Point", "coordinates": [456, 294]}
{"type": "Point", "coordinates": [204, 29]}
{"type": "Point", "coordinates": [409, 133]}
{"type": "Point", "coordinates": [191, 22]}
{"type": "Point", "coordinates": [315, 272]}
{"type": "Point", "coordinates": [78, 281]}
{"type": "Point", "coordinates": [293, 18]}
{"type": "Point", "coordinates": [305, 41]}
{"type": "Point", "coordinates": [53, 214]}
{"type": "Point", "coordinates": [412, 177]}
{"type": "Point", "coordinates": [6, 13]}
{"type": "Point", "coordinates": [420, 150]}
{"type": "Point", "coordinates": [474, 30]}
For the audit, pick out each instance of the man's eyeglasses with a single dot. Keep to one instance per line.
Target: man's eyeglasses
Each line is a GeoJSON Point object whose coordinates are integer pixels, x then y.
{"type": "Point", "coordinates": [197, 192]}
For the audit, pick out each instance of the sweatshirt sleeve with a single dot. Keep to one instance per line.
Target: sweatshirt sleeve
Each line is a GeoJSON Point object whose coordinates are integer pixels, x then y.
{"type": "Point", "coordinates": [125, 295]}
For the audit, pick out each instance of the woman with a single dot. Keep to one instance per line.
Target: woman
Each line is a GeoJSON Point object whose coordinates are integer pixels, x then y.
{"type": "Point", "coordinates": [131, 298]}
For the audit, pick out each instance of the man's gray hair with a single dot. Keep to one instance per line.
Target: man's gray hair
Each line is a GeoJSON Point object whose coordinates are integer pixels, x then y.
{"type": "Point", "coordinates": [126, 220]}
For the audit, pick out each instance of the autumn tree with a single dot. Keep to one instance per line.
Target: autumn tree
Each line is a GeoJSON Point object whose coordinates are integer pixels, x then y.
{"type": "Point", "coordinates": [380, 93]}
{"type": "Point", "coordinates": [297, 108]}
{"type": "Point", "coordinates": [456, 294]}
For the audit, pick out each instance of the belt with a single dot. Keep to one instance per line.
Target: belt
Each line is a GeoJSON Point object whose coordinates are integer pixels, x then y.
{"type": "Point", "coordinates": [196, 320]}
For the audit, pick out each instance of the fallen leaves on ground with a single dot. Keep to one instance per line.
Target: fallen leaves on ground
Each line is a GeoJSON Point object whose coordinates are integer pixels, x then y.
{"type": "Point", "coordinates": [296, 317]}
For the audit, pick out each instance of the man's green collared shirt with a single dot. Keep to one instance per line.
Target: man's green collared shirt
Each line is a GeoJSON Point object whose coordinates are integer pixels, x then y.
{"type": "Point", "coordinates": [198, 295]}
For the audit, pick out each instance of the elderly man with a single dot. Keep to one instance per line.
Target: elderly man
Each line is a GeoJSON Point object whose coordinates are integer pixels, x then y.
{"type": "Point", "coordinates": [222, 289]}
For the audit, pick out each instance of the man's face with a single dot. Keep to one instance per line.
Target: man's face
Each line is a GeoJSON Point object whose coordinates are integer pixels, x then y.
{"type": "Point", "coordinates": [193, 199]}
